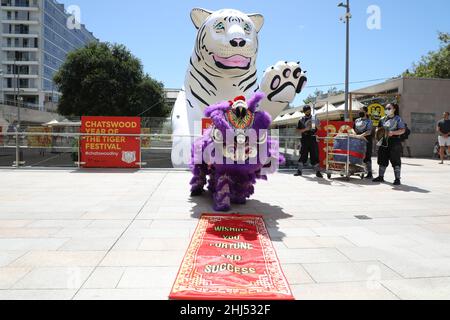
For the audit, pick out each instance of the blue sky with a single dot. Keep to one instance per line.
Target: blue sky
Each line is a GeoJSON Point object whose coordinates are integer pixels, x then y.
{"type": "Point", "coordinates": [161, 34]}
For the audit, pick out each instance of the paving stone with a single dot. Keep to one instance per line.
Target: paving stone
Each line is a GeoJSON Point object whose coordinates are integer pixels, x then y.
{"type": "Point", "coordinates": [316, 242]}
{"type": "Point", "coordinates": [19, 295]}
{"type": "Point", "coordinates": [420, 289]}
{"type": "Point", "coordinates": [104, 278]}
{"type": "Point", "coordinates": [143, 259]}
{"type": "Point", "coordinates": [123, 294]}
{"type": "Point", "coordinates": [59, 259]}
{"type": "Point", "coordinates": [150, 277]}
{"type": "Point", "coordinates": [18, 244]}
{"type": "Point", "coordinates": [342, 291]}
{"type": "Point", "coordinates": [350, 272]}
{"type": "Point", "coordinates": [54, 278]}
{"type": "Point", "coordinates": [9, 276]}
{"type": "Point", "coordinates": [7, 257]}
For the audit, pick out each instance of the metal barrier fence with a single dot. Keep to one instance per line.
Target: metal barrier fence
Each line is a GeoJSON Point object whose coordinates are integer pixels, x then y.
{"type": "Point", "coordinates": [62, 150]}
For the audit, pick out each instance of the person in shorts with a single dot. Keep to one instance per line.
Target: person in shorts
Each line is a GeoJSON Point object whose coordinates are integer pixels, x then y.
{"type": "Point", "coordinates": [443, 128]}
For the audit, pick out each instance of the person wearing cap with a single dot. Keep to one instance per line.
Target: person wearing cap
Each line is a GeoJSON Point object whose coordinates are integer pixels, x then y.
{"type": "Point", "coordinates": [363, 128]}
{"type": "Point", "coordinates": [308, 127]}
{"type": "Point", "coordinates": [391, 145]}
{"type": "Point", "coordinates": [443, 128]}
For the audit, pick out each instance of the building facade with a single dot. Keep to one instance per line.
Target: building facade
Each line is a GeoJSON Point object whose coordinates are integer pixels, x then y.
{"type": "Point", "coordinates": [36, 36]}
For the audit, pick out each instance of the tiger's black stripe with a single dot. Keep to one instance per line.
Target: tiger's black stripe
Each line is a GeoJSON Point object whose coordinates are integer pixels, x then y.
{"type": "Point", "coordinates": [203, 41]}
{"type": "Point", "coordinates": [250, 85]}
{"type": "Point", "coordinates": [211, 67]}
{"type": "Point", "coordinates": [199, 98]}
{"type": "Point", "coordinates": [198, 57]}
{"type": "Point", "coordinates": [200, 83]}
{"type": "Point", "coordinates": [242, 75]}
{"type": "Point", "coordinates": [246, 79]}
{"type": "Point", "coordinates": [197, 47]}
{"type": "Point", "coordinates": [203, 76]}
{"type": "Point", "coordinates": [199, 37]}
{"type": "Point", "coordinates": [214, 75]}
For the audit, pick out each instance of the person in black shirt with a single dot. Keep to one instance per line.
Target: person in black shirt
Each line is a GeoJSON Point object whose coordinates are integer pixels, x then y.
{"type": "Point", "coordinates": [391, 145]}
{"type": "Point", "coordinates": [364, 128]}
{"type": "Point", "coordinates": [443, 128]}
{"type": "Point", "coordinates": [308, 127]}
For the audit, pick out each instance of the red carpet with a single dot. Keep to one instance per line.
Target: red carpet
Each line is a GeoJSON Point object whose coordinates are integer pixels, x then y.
{"type": "Point", "coordinates": [231, 257]}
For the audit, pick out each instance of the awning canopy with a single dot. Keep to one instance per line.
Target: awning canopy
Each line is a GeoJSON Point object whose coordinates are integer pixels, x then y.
{"type": "Point", "coordinates": [330, 107]}
{"type": "Point", "coordinates": [64, 123]}
{"type": "Point", "coordinates": [356, 106]}
{"type": "Point", "coordinates": [288, 118]}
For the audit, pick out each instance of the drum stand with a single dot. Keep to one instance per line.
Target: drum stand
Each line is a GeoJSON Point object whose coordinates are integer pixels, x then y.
{"type": "Point", "coordinates": [343, 168]}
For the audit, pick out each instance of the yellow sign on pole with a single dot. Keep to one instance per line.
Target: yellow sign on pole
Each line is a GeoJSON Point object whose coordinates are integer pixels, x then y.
{"type": "Point", "coordinates": [146, 141]}
{"type": "Point", "coordinates": [37, 141]}
{"type": "Point", "coordinates": [376, 113]}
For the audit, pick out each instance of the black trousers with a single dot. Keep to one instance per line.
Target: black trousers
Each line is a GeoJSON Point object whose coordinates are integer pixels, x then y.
{"type": "Point", "coordinates": [369, 150]}
{"type": "Point", "coordinates": [392, 153]}
{"type": "Point", "coordinates": [310, 148]}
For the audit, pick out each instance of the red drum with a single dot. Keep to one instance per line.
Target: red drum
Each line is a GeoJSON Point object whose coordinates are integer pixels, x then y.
{"type": "Point", "coordinates": [354, 146]}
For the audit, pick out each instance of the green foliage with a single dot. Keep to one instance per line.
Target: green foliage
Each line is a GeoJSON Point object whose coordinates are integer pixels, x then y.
{"type": "Point", "coordinates": [105, 79]}
{"type": "Point", "coordinates": [319, 94]}
{"type": "Point", "coordinates": [434, 65]}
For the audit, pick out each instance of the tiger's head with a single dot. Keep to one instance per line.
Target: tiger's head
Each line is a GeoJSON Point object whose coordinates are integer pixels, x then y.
{"type": "Point", "coordinates": [227, 40]}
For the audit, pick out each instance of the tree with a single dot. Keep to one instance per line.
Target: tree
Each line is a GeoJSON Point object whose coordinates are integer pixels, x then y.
{"type": "Point", "coordinates": [436, 64]}
{"type": "Point", "coordinates": [319, 94]}
{"type": "Point", "coordinates": [105, 79]}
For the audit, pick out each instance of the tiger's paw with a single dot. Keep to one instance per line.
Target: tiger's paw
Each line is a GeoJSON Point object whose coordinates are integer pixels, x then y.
{"type": "Point", "coordinates": [283, 81]}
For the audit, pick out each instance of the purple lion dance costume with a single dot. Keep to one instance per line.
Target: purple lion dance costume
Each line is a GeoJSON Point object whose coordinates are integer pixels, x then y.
{"type": "Point", "coordinates": [234, 153]}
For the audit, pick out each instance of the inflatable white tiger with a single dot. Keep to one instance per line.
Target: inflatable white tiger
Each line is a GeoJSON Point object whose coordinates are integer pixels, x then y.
{"type": "Point", "coordinates": [223, 66]}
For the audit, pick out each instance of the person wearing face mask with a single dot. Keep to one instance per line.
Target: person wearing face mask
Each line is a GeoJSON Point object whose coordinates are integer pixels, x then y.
{"type": "Point", "coordinates": [391, 147]}
{"type": "Point", "coordinates": [308, 127]}
{"type": "Point", "coordinates": [363, 128]}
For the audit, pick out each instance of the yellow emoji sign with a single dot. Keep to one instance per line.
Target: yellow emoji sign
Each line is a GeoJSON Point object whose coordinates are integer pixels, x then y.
{"type": "Point", "coordinates": [376, 113]}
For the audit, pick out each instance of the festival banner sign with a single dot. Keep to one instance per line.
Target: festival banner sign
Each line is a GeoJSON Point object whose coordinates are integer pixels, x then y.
{"type": "Point", "coordinates": [330, 129]}
{"type": "Point", "coordinates": [110, 151]}
{"type": "Point", "coordinates": [231, 257]}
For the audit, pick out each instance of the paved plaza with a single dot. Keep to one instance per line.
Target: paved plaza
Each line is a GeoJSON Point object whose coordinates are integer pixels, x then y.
{"type": "Point", "coordinates": [113, 234]}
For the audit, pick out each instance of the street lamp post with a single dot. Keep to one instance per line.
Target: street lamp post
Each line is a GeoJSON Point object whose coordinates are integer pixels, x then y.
{"type": "Point", "coordinates": [18, 151]}
{"type": "Point", "coordinates": [347, 57]}
{"type": "Point", "coordinates": [19, 103]}
{"type": "Point", "coordinates": [1, 92]}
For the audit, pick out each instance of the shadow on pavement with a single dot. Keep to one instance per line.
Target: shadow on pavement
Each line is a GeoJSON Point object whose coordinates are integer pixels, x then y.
{"type": "Point", "coordinates": [334, 182]}
{"type": "Point", "coordinates": [93, 170]}
{"type": "Point", "coordinates": [412, 165]}
{"type": "Point", "coordinates": [356, 181]}
{"type": "Point", "coordinates": [406, 188]}
{"type": "Point", "coordinates": [272, 214]}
